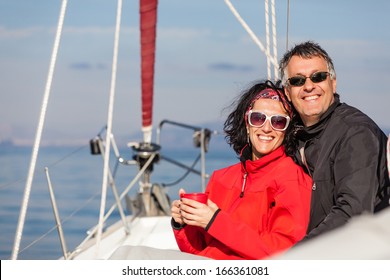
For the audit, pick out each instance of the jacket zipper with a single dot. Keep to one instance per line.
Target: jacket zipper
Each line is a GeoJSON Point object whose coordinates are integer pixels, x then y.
{"type": "Point", "coordinates": [303, 157]}
{"type": "Point", "coordinates": [243, 185]}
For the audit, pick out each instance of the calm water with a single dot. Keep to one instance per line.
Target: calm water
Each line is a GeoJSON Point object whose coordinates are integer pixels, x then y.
{"type": "Point", "coordinates": [76, 177]}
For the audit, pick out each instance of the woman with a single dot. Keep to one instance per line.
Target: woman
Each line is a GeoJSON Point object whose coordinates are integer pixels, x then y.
{"type": "Point", "coordinates": [260, 205]}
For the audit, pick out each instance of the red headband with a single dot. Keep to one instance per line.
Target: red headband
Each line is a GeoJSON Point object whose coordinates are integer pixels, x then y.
{"type": "Point", "coordinates": [270, 93]}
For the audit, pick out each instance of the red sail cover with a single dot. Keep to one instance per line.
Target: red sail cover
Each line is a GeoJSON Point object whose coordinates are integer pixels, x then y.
{"type": "Point", "coordinates": [148, 18]}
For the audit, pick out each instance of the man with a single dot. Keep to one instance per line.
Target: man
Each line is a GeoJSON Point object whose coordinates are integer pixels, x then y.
{"type": "Point", "coordinates": [343, 149]}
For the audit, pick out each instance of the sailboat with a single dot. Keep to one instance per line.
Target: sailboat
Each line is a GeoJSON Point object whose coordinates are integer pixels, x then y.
{"type": "Point", "coordinates": [145, 219]}
{"type": "Point", "coordinates": [147, 226]}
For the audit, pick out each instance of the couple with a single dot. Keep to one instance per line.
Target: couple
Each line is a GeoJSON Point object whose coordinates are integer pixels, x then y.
{"type": "Point", "coordinates": [304, 170]}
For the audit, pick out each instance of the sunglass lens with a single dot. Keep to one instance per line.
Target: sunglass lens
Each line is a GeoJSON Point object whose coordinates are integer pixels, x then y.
{"type": "Point", "coordinates": [319, 77]}
{"type": "Point", "coordinates": [297, 81]}
{"type": "Point", "coordinates": [279, 122]}
{"type": "Point", "coordinates": [315, 78]}
{"type": "Point", "coordinates": [257, 118]}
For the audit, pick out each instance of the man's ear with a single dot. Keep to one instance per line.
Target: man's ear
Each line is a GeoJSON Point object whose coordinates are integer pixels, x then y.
{"type": "Point", "coordinates": [334, 83]}
{"type": "Point", "coordinates": [287, 92]}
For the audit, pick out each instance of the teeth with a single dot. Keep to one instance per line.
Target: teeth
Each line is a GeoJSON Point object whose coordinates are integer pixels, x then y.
{"type": "Point", "coordinates": [313, 97]}
{"type": "Point", "coordinates": [265, 138]}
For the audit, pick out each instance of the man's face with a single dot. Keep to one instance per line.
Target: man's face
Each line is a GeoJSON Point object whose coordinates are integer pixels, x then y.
{"type": "Point", "coordinates": [311, 99]}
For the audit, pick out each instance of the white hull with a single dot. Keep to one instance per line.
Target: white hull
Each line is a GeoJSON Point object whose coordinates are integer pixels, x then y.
{"type": "Point", "coordinates": [152, 232]}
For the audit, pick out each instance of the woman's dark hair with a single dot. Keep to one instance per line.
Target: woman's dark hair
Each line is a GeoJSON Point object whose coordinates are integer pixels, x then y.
{"type": "Point", "coordinates": [235, 126]}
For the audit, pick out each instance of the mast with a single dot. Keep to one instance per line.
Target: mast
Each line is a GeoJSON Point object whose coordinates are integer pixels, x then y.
{"type": "Point", "coordinates": [148, 19]}
{"type": "Point", "coordinates": [147, 153]}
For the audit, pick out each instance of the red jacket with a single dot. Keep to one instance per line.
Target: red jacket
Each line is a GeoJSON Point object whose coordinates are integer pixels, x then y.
{"type": "Point", "coordinates": [265, 213]}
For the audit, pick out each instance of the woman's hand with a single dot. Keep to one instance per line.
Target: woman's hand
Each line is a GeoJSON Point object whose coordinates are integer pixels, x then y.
{"type": "Point", "coordinates": [196, 213]}
{"type": "Point", "coordinates": [175, 212]}
{"type": "Point", "coordinates": [175, 209]}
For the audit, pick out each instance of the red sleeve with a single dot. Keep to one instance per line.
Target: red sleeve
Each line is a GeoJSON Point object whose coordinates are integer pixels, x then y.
{"type": "Point", "coordinates": [190, 239]}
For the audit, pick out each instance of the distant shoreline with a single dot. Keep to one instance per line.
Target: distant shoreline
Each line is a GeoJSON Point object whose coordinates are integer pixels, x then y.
{"type": "Point", "coordinates": [217, 142]}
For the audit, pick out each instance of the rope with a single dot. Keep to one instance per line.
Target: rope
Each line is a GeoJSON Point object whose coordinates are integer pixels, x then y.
{"type": "Point", "coordinates": [288, 23]}
{"type": "Point", "coordinates": [251, 34]}
{"type": "Point", "coordinates": [266, 16]}
{"type": "Point", "coordinates": [109, 128]}
{"type": "Point", "coordinates": [275, 49]}
{"type": "Point", "coordinates": [34, 155]}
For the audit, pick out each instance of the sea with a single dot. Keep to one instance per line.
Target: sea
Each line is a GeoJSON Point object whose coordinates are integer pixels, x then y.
{"type": "Point", "coordinates": [76, 177]}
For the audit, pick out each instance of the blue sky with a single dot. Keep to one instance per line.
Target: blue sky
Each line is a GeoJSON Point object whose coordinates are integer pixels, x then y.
{"type": "Point", "coordinates": [204, 59]}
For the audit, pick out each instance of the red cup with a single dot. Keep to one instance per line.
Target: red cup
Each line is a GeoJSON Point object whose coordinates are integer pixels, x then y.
{"type": "Point", "coordinates": [200, 197]}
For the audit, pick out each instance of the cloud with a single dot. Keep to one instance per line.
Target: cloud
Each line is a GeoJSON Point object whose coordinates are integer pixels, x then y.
{"type": "Point", "coordinates": [83, 30]}
{"type": "Point", "coordinates": [182, 33]}
{"type": "Point", "coordinates": [26, 32]}
{"type": "Point", "coordinates": [86, 66]}
{"type": "Point", "coordinates": [81, 66]}
{"type": "Point", "coordinates": [224, 66]}
{"type": "Point", "coordinates": [7, 33]}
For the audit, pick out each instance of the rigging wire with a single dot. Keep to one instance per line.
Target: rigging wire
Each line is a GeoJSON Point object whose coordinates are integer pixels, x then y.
{"type": "Point", "coordinates": [266, 16]}
{"type": "Point", "coordinates": [257, 41]}
{"type": "Point", "coordinates": [184, 175]}
{"type": "Point", "coordinates": [54, 164]}
{"type": "Point", "coordinates": [109, 127]}
{"type": "Point", "coordinates": [64, 220]}
{"type": "Point", "coordinates": [38, 136]}
{"type": "Point", "coordinates": [274, 41]}
{"type": "Point", "coordinates": [288, 23]}
{"type": "Point", "coordinates": [8, 184]}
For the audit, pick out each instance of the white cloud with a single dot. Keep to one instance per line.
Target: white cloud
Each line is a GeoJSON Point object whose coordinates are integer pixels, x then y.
{"type": "Point", "coordinates": [15, 33]}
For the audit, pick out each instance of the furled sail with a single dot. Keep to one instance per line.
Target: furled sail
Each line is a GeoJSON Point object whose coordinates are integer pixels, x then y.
{"type": "Point", "coordinates": [148, 19]}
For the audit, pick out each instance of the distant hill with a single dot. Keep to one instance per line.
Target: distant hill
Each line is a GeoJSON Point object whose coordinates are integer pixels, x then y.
{"type": "Point", "coordinates": [170, 137]}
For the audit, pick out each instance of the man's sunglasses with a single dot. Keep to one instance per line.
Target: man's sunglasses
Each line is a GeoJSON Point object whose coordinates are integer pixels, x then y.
{"type": "Point", "coordinates": [299, 81]}
{"type": "Point", "coordinates": [258, 119]}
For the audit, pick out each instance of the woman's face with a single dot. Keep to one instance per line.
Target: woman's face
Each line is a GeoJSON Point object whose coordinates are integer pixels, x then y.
{"type": "Point", "coordinates": [265, 139]}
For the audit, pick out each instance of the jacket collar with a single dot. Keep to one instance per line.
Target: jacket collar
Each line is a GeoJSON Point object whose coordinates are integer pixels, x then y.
{"type": "Point", "coordinates": [249, 164]}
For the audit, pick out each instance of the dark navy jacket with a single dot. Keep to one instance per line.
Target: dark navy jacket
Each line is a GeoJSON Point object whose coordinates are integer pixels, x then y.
{"type": "Point", "coordinates": [346, 156]}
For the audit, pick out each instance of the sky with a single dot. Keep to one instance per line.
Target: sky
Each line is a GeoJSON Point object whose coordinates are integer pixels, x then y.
{"type": "Point", "coordinates": [204, 59]}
